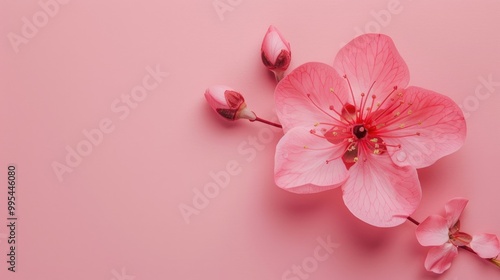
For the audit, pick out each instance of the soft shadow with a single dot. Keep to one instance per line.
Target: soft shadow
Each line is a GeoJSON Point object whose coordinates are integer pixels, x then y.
{"type": "Point", "coordinates": [208, 113]}
{"type": "Point", "coordinates": [296, 207]}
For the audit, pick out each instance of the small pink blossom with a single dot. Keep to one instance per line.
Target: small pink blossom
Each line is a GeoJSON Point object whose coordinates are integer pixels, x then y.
{"type": "Point", "coordinates": [443, 233]}
{"type": "Point", "coordinates": [228, 103]}
{"type": "Point", "coordinates": [359, 126]}
{"type": "Point", "coordinates": [275, 51]}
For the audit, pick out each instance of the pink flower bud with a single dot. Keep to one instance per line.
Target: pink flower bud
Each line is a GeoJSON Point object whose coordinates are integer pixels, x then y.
{"type": "Point", "coordinates": [275, 51]}
{"type": "Point", "coordinates": [228, 103]}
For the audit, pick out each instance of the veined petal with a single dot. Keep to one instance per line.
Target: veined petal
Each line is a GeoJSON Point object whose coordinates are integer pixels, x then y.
{"type": "Point", "coordinates": [381, 193]}
{"type": "Point", "coordinates": [453, 209]}
{"type": "Point", "coordinates": [372, 59]}
{"type": "Point", "coordinates": [433, 231]}
{"type": "Point", "coordinates": [301, 162]}
{"type": "Point", "coordinates": [428, 126]}
{"type": "Point", "coordinates": [485, 245]}
{"type": "Point", "coordinates": [304, 96]}
{"type": "Point", "coordinates": [274, 45]}
{"type": "Point", "coordinates": [439, 259]}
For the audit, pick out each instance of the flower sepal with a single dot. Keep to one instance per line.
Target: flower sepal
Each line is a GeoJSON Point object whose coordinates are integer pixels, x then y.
{"type": "Point", "coordinates": [228, 103]}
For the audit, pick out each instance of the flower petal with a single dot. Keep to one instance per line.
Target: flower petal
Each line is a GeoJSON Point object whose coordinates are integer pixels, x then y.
{"type": "Point", "coordinates": [301, 162]}
{"type": "Point", "coordinates": [275, 50]}
{"type": "Point", "coordinates": [485, 245]}
{"type": "Point", "coordinates": [432, 127]}
{"type": "Point", "coordinates": [439, 259]}
{"type": "Point", "coordinates": [379, 192]}
{"type": "Point", "coordinates": [372, 59]}
{"type": "Point", "coordinates": [453, 209]}
{"type": "Point", "coordinates": [433, 231]}
{"type": "Point", "coordinates": [293, 105]}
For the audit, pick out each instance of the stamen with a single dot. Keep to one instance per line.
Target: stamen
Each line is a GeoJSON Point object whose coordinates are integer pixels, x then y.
{"type": "Point", "coordinates": [340, 102]}
{"type": "Point", "coordinates": [330, 160]}
{"type": "Point", "coordinates": [381, 134]}
{"type": "Point", "coordinates": [363, 104]}
{"type": "Point", "coordinates": [384, 112]}
{"type": "Point", "coordinates": [402, 116]}
{"type": "Point", "coordinates": [387, 97]}
{"type": "Point", "coordinates": [350, 88]}
{"type": "Point", "coordinates": [371, 106]}
{"type": "Point", "coordinates": [321, 109]}
{"type": "Point", "coordinates": [359, 114]}
{"type": "Point", "coordinates": [398, 146]}
{"type": "Point", "coordinates": [341, 115]}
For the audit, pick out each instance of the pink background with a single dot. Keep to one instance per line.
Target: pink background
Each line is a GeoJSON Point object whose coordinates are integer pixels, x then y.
{"type": "Point", "coordinates": [117, 213]}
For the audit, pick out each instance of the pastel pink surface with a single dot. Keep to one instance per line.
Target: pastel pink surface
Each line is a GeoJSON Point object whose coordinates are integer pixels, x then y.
{"type": "Point", "coordinates": [118, 210]}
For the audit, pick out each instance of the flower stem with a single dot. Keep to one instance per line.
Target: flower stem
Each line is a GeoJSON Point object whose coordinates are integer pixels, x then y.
{"type": "Point", "coordinates": [279, 75]}
{"type": "Point", "coordinates": [491, 260]}
{"type": "Point", "coordinates": [267, 122]}
{"type": "Point", "coordinates": [413, 220]}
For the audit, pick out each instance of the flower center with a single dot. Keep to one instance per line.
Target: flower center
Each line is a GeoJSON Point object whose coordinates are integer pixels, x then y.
{"type": "Point", "coordinates": [359, 131]}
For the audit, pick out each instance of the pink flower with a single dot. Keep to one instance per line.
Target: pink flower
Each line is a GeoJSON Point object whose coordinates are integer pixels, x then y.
{"type": "Point", "coordinates": [358, 125]}
{"type": "Point", "coordinates": [444, 233]}
{"type": "Point", "coordinates": [228, 103]}
{"type": "Point", "coordinates": [275, 52]}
